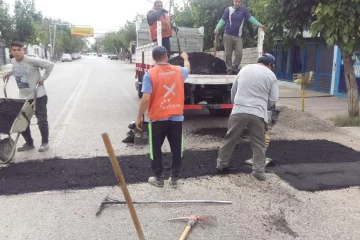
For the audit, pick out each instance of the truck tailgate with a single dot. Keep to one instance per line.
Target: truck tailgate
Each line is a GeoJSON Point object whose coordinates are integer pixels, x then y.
{"type": "Point", "coordinates": [210, 79]}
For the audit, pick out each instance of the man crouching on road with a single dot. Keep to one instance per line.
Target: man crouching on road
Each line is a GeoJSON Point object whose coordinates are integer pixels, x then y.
{"type": "Point", "coordinates": [163, 96]}
{"type": "Point", "coordinates": [27, 75]}
{"type": "Point", "coordinates": [254, 91]}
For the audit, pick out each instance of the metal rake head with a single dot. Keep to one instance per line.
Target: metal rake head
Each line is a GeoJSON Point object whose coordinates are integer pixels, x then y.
{"type": "Point", "coordinates": [204, 219]}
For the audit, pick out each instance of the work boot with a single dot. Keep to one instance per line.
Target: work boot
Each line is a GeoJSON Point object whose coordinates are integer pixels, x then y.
{"type": "Point", "coordinates": [26, 147]}
{"type": "Point", "coordinates": [44, 147]}
{"type": "Point", "coordinates": [156, 181]}
{"type": "Point", "coordinates": [222, 171]}
{"type": "Point", "coordinates": [173, 182]}
{"type": "Point", "coordinates": [259, 176]}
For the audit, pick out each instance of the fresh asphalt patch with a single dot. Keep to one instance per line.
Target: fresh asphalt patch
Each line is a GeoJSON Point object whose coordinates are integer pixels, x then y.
{"type": "Point", "coordinates": [306, 165]}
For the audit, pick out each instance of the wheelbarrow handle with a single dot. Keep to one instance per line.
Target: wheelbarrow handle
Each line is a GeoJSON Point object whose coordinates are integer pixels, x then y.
{"type": "Point", "coordinates": [35, 96]}
{"type": "Point", "coordinates": [5, 84]}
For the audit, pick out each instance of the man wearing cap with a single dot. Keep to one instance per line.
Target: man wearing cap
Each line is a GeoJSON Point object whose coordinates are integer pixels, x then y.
{"type": "Point", "coordinates": [254, 91]}
{"type": "Point", "coordinates": [158, 13]}
{"type": "Point", "coordinates": [233, 19]}
{"type": "Point", "coordinates": [163, 97]}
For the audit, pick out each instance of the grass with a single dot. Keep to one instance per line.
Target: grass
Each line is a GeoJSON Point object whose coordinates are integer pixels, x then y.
{"type": "Point", "coordinates": [346, 121]}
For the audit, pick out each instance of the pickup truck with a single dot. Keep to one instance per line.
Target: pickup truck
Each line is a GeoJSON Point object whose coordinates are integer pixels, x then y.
{"type": "Point", "coordinates": [211, 92]}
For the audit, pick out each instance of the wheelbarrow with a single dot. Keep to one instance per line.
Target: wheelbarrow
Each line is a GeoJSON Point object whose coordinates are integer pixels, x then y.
{"type": "Point", "coordinates": [15, 117]}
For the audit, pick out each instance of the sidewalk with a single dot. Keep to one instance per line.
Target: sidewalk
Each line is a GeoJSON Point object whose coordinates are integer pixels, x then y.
{"type": "Point", "coordinates": [319, 104]}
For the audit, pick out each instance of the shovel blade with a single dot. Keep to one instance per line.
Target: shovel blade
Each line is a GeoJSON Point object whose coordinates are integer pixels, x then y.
{"type": "Point", "coordinates": [208, 219]}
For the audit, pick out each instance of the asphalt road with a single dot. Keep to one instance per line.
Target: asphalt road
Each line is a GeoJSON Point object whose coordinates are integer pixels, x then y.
{"type": "Point", "coordinates": [94, 95]}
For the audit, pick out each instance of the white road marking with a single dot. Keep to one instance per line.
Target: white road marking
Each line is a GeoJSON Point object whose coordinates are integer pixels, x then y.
{"type": "Point", "coordinates": [70, 106]}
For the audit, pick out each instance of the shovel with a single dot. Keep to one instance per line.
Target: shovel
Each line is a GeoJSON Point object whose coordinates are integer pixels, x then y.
{"type": "Point", "coordinates": [192, 220]}
{"type": "Point", "coordinates": [215, 46]}
{"type": "Point", "coordinates": [178, 42]}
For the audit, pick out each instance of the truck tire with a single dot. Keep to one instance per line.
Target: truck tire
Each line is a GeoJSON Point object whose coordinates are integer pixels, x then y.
{"type": "Point", "coordinates": [220, 112]}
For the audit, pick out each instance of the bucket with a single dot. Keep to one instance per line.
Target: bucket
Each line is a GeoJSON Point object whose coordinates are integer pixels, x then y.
{"type": "Point", "coordinates": [142, 137]}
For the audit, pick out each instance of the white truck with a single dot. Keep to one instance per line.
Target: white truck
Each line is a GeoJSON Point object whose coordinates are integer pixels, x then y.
{"type": "Point", "coordinates": [211, 92]}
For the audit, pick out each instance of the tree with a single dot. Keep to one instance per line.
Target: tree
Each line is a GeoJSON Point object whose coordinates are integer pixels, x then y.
{"type": "Point", "coordinates": [113, 42]}
{"type": "Point", "coordinates": [338, 22]}
{"type": "Point", "coordinates": [6, 24]}
{"type": "Point", "coordinates": [25, 18]}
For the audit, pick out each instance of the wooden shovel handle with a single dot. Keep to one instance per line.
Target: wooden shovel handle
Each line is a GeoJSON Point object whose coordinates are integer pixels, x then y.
{"type": "Point", "coordinates": [185, 233]}
{"type": "Point", "coordinates": [122, 184]}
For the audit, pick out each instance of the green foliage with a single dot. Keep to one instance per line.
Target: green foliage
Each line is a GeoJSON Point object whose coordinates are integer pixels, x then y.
{"type": "Point", "coordinates": [113, 42]}
{"type": "Point", "coordinates": [6, 24]}
{"type": "Point", "coordinates": [25, 19]}
{"type": "Point", "coordinates": [337, 22]}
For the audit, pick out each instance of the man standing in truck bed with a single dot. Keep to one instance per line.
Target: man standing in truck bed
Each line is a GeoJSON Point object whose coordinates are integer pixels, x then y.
{"type": "Point", "coordinates": [233, 19]}
{"type": "Point", "coordinates": [158, 13]}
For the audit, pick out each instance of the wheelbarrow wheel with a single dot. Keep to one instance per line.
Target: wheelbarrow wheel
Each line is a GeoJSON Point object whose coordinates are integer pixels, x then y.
{"type": "Point", "coordinates": [7, 151]}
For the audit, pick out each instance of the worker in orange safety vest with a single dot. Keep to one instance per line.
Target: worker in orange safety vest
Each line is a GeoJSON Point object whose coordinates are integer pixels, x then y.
{"type": "Point", "coordinates": [163, 96]}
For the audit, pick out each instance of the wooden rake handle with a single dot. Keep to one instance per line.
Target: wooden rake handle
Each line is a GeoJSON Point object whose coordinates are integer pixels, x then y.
{"type": "Point", "coordinates": [185, 233]}
{"type": "Point", "coordinates": [121, 180]}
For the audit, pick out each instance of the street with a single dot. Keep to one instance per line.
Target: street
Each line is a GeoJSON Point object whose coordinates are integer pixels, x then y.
{"type": "Point", "coordinates": [58, 198]}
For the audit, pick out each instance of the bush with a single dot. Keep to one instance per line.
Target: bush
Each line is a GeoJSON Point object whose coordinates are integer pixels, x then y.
{"type": "Point", "coordinates": [346, 121]}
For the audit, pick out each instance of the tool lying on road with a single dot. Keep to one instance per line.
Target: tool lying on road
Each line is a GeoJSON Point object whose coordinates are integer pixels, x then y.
{"type": "Point", "coordinates": [110, 201]}
{"type": "Point", "coordinates": [115, 164]}
{"type": "Point", "coordinates": [192, 220]}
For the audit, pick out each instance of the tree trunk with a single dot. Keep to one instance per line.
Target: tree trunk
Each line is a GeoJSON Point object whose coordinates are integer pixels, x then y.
{"type": "Point", "coordinates": [351, 85]}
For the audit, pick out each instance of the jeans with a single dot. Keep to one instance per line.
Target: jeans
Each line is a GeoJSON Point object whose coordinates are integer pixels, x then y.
{"type": "Point", "coordinates": [41, 115]}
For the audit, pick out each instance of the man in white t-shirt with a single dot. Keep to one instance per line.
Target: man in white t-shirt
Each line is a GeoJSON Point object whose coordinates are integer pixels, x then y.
{"type": "Point", "coordinates": [254, 91]}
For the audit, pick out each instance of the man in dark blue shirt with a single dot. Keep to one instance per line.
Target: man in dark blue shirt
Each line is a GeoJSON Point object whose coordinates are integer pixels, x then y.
{"type": "Point", "coordinates": [233, 19]}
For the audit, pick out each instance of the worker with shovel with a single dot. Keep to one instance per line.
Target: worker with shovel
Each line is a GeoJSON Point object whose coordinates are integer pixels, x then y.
{"type": "Point", "coordinates": [233, 20]}
{"type": "Point", "coordinates": [254, 91]}
{"type": "Point", "coordinates": [163, 96]}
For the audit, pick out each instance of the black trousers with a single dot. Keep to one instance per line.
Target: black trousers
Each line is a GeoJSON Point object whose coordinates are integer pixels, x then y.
{"type": "Point", "coordinates": [157, 133]}
{"type": "Point", "coordinates": [166, 44]}
{"type": "Point", "coordinates": [41, 115]}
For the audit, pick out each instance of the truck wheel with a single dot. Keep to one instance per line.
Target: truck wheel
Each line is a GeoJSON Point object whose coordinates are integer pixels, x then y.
{"type": "Point", "coordinates": [220, 112]}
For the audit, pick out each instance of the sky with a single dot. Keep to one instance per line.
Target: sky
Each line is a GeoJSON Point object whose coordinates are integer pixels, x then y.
{"type": "Point", "coordinates": [103, 16]}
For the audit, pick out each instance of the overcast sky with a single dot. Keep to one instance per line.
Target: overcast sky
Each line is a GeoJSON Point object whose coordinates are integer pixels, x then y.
{"type": "Point", "coordinates": [103, 16]}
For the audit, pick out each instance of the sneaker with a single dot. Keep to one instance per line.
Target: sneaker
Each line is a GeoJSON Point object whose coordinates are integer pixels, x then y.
{"type": "Point", "coordinates": [26, 147]}
{"type": "Point", "coordinates": [222, 171]}
{"type": "Point", "coordinates": [156, 181]}
{"type": "Point", "coordinates": [259, 176]}
{"type": "Point", "coordinates": [44, 147]}
{"type": "Point", "coordinates": [173, 182]}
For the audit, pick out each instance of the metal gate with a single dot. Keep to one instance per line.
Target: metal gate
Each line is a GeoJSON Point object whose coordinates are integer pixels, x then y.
{"type": "Point", "coordinates": [319, 59]}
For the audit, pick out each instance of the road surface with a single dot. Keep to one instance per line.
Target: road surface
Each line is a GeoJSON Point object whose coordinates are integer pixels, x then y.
{"type": "Point", "coordinates": [94, 95]}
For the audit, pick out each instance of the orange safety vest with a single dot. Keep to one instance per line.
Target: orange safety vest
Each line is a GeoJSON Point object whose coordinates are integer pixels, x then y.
{"type": "Point", "coordinates": [165, 25]}
{"type": "Point", "coordinates": [167, 98]}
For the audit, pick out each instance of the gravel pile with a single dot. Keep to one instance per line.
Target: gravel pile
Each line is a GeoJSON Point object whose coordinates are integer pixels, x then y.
{"type": "Point", "coordinates": [304, 122]}
{"type": "Point", "coordinates": [202, 63]}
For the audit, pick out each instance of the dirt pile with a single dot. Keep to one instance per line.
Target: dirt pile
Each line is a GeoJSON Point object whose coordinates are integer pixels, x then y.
{"type": "Point", "coordinates": [9, 110]}
{"type": "Point", "coordinates": [304, 122]}
{"type": "Point", "coordinates": [202, 63]}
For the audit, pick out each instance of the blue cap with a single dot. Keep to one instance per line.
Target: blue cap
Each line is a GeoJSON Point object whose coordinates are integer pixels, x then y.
{"type": "Point", "coordinates": [267, 59]}
{"type": "Point", "coordinates": [159, 51]}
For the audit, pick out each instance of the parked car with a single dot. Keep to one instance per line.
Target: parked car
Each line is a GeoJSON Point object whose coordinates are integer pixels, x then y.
{"type": "Point", "coordinates": [114, 57]}
{"type": "Point", "coordinates": [66, 58]}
